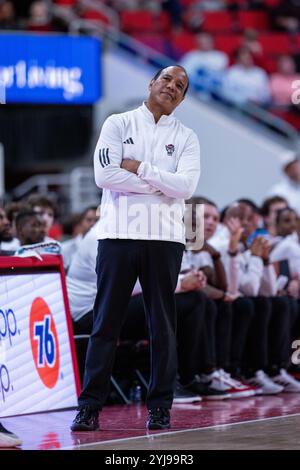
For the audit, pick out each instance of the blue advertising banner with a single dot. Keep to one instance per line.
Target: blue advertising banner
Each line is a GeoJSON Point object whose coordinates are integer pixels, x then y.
{"type": "Point", "coordinates": [54, 69]}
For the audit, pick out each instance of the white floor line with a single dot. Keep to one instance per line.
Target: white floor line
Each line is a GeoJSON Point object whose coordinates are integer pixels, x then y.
{"type": "Point", "coordinates": [169, 433]}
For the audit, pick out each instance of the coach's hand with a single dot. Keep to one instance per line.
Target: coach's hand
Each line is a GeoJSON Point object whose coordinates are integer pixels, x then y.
{"type": "Point", "coordinates": [130, 165]}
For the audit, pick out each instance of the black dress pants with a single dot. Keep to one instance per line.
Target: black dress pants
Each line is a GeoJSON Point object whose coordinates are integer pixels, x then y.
{"type": "Point", "coordinates": [119, 264]}
{"type": "Point", "coordinates": [256, 354]}
{"type": "Point", "coordinates": [279, 334]}
{"type": "Point", "coordinates": [243, 315]}
{"type": "Point", "coordinates": [190, 308]}
{"type": "Point", "coordinates": [190, 330]}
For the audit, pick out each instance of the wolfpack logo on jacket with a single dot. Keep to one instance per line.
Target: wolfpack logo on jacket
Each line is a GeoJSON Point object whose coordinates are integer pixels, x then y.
{"type": "Point", "coordinates": [170, 149]}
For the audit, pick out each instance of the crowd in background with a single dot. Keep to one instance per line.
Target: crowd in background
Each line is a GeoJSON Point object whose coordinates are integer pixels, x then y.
{"type": "Point", "coordinates": [247, 73]}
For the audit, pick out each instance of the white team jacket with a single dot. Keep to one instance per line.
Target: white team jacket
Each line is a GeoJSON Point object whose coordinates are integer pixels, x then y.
{"type": "Point", "coordinates": [150, 205]}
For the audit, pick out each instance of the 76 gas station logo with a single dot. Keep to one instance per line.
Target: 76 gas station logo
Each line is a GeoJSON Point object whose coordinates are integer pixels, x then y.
{"type": "Point", "coordinates": [44, 342]}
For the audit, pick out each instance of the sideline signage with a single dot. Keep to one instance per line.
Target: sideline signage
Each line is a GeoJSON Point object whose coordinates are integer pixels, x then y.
{"type": "Point", "coordinates": [54, 69]}
{"type": "Point", "coordinates": [38, 367]}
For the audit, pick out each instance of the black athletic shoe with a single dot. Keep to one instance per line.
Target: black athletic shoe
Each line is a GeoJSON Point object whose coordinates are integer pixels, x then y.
{"type": "Point", "coordinates": [86, 420]}
{"type": "Point", "coordinates": [183, 395]}
{"type": "Point", "coordinates": [210, 387]}
{"type": "Point", "coordinates": [158, 418]}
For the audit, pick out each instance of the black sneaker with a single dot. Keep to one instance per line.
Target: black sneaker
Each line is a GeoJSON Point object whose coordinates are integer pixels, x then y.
{"type": "Point", "coordinates": [208, 389]}
{"type": "Point", "coordinates": [86, 420]}
{"type": "Point", "coordinates": [183, 395]}
{"type": "Point", "coordinates": [158, 418]}
{"type": "Point", "coordinates": [8, 439]}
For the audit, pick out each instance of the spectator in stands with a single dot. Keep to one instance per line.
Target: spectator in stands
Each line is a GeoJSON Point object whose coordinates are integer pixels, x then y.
{"type": "Point", "coordinates": [286, 256]}
{"type": "Point", "coordinates": [30, 228]}
{"type": "Point", "coordinates": [251, 272]}
{"type": "Point", "coordinates": [208, 5]}
{"type": "Point", "coordinates": [8, 439]}
{"type": "Point", "coordinates": [71, 226]}
{"type": "Point", "coordinates": [12, 209]}
{"type": "Point", "coordinates": [7, 16]}
{"type": "Point", "coordinates": [250, 41]}
{"type": "Point", "coordinates": [124, 5]}
{"type": "Point", "coordinates": [216, 343]}
{"type": "Point", "coordinates": [269, 209]}
{"type": "Point", "coordinates": [175, 10]}
{"type": "Point", "coordinates": [39, 17]}
{"type": "Point", "coordinates": [87, 219]}
{"type": "Point", "coordinates": [205, 64]}
{"type": "Point", "coordinates": [244, 269]}
{"type": "Point", "coordinates": [5, 232]}
{"type": "Point", "coordinates": [244, 82]}
{"type": "Point", "coordinates": [257, 219]}
{"type": "Point", "coordinates": [287, 245]}
{"type": "Point", "coordinates": [194, 16]}
{"type": "Point", "coordinates": [281, 81]}
{"type": "Point", "coordinates": [244, 274]}
{"type": "Point", "coordinates": [289, 186]}
{"type": "Point", "coordinates": [22, 8]}
{"type": "Point", "coordinates": [46, 208]}
{"type": "Point", "coordinates": [286, 16]}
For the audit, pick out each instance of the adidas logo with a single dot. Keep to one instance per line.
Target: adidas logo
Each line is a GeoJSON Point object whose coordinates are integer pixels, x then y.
{"type": "Point", "coordinates": [128, 141]}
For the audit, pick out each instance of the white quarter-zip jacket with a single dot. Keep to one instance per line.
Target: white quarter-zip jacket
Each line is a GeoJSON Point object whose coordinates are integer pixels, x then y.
{"type": "Point", "coordinates": [148, 205]}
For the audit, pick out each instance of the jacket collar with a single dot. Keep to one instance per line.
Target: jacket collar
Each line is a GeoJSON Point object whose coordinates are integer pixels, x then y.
{"type": "Point", "coordinates": [165, 119]}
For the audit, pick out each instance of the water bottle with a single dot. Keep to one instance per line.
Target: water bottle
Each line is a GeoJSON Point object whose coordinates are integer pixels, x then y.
{"type": "Point", "coordinates": [136, 393]}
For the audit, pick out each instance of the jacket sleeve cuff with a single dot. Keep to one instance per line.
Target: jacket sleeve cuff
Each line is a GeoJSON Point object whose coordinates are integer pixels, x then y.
{"type": "Point", "coordinates": [141, 170]}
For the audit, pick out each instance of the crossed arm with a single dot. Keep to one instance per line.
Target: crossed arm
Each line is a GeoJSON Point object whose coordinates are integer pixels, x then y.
{"type": "Point", "coordinates": [135, 176]}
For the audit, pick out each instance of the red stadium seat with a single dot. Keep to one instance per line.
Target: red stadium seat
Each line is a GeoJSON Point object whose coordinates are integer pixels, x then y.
{"type": "Point", "coordinates": [275, 43]}
{"type": "Point", "coordinates": [188, 3]}
{"type": "Point", "coordinates": [184, 42]}
{"type": "Point", "coordinates": [227, 42]}
{"type": "Point", "coordinates": [217, 21]}
{"type": "Point", "coordinates": [95, 15]}
{"type": "Point", "coordinates": [292, 118]}
{"type": "Point", "coordinates": [44, 28]}
{"type": "Point", "coordinates": [65, 3]}
{"type": "Point", "coordinates": [298, 42]}
{"type": "Point", "coordinates": [154, 40]}
{"type": "Point", "coordinates": [270, 64]}
{"type": "Point", "coordinates": [142, 20]}
{"type": "Point", "coordinates": [163, 22]}
{"type": "Point", "coordinates": [253, 19]}
{"type": "Point", "coordinates": [271, 3]}
{"type": "Point", "coordinates": [136, 21]}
